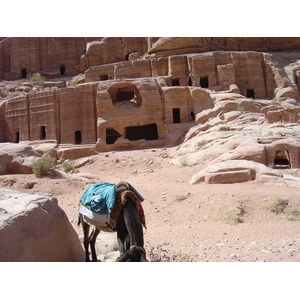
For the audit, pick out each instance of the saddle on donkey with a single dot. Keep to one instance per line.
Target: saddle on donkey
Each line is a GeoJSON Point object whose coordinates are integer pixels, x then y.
{"type": "Point", "coordinates": [102, 203]}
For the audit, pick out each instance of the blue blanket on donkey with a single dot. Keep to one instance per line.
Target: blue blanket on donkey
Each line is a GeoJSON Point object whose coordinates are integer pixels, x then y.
{"type": "Point", "coordinates": [100, 197]}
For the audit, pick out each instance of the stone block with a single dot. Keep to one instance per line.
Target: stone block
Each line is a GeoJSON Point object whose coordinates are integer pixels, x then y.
{"type": "Point", "coordinates": [33, 228]}
{"type": "Point", "coordinates": [229, 177]}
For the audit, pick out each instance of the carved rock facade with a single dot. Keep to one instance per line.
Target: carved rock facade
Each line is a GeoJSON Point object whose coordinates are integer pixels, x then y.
{"type": "Point", "coordinates": [149, 99]}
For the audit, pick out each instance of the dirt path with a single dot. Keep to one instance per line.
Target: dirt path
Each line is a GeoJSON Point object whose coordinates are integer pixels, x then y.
{"type": "Point", "coordinates": [186, 220]}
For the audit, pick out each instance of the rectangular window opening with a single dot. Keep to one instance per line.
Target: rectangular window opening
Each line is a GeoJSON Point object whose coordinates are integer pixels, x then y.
{"type": "Point", "coordinates": [250, 93]}
{"type": "Point", "coordinates": [204, 82]}
{"type": "Point", "coordinates": [103, 77]}
{"type": "Point", "coordinates": [175, 82]}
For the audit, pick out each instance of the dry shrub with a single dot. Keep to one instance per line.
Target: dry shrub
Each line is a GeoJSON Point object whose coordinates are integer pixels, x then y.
{"type": "Point", "coordinates": [157, 254]}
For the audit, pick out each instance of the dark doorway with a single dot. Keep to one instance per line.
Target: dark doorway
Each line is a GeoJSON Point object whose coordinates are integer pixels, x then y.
{"type": "Point", "coordinates": [204, 82]}
{"type": "Point", "coordinates": [175, 82]}
{"type": "Point", "coordinates": [250, 93]}
{"type": "Point", "coordinates": [281, 160]}
{"type": "Point", "coordinates": [62, 69]}
{"type": "Point", "coordinates": [103, 77]}
{"type": "Point", "coordinates": [176, 115]}
{"type": "Point", "coordinates": [111, 136]}
{"type": "Point", "coordinates": [24, 73]}
{"type": "Point", "coordinates": [78, 137]}
{"type": "Point", "coordinates": [17, 139]}
{"type": "Point", "coordinates": [192, 115]}
{"type": "Point", "coordinates": [42, 132]}
{"type": "Point", "coordinates": [147, 132]}
{"type": "Point", "coordinates": [190, 83]}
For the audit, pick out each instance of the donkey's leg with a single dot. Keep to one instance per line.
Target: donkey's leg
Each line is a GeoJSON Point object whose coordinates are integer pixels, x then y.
{"type": "Point", "coordinates": [92, 239]}
{"type": "Point", "coordinates": [86, 229]}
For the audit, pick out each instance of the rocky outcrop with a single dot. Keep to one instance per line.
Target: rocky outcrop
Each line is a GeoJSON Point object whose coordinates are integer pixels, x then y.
{"type": "Point", "coordinates": [50, 56]}
{"type": "Point", "coordinates": [180, 45]}
{"type": "Point", "coordinates": [16, 158]}
{"type": "Point", "coordinates": [34, 228]}
{"type": "Point", "coordinates": [112, 49]}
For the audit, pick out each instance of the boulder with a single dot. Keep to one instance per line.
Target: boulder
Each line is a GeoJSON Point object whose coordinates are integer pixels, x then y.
{"type": "Point", "coordinates": [16, 158]}
{"type": "Point", "coordinates": [33, 228]}
{"type": "Point", "coordinates": [234, 171]}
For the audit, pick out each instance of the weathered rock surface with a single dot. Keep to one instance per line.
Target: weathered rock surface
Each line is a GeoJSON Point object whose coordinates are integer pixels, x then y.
{"type": "Point", "coordinates": [16, 158]}
{"type": "Point", "coordinates": [180, 45]}
{"type": "Point", "coordinates": [34, 228]}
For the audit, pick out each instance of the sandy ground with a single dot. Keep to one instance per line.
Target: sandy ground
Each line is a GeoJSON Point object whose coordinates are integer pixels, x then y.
{"type": "Point", "coordinates": [185, 221]}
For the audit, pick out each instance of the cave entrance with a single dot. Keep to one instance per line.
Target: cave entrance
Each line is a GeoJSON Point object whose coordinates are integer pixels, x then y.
{"type": "Point", "coordinates": [147, 132]}
{"type": "Point", "coordinates": [282, 160]}
{"type": "Point", "coordinates": [42, 132]}
{"type": "Point", "coordinates": [103, 77]}
{"type": "Point", "coordinates": [111, 136]}
{"type": "Point", "coordinates": [24, 73]}
{"type": "Point", "coordinates": [190, 83]}
{"type": "Point", "coordinates": [62, 69]}
{"type": "Point", "coordinates": [123, 95]}
{"type": "Point", "coordinates": [250, 93]}
{"type": "Point", "coordinates": [176, 115]}
{"type": "Point", "coordinates": [78, 137]}
{"type": "Point", "coordinates": [204, 82]}
{"type": "Point", "coordinates": [175, 82]}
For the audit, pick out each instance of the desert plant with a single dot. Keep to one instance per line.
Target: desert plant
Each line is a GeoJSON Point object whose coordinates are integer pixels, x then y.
{"type": "Point", "coordinates": [201, 143]}
{"type": "Point", "coordinates": [184, 161]}
{"type": "Point", "coordinates": [37, 80]}
{"type": "Point", "coordinates": [276, 205]}
{"type": "Point", "coordinates": [68, 166]}
{"type": "Point", "coordinates": [74, 82]}
{"type": "Point", "coordinates": [157, 254]}
{"type": "Point", "coordinates": [293, 213]}
{"type": "Point", "coordinates": [234, 219]}
{"type": "Point", "coordinates": [241, 108]}
{"type": "Point", "coordinates": [43, 166]}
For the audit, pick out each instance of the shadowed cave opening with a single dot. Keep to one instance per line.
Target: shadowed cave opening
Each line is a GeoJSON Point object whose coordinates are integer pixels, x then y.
{"type": "Point", "coordinates": [147, 132]}
{"type": "Point", "coordinates": [281, 160]}
{"type": "Point", "coordinates": [24, 73]}
{"type": "Point", "coordinates": [111, 136]}
{"type": "Point", "coordinates": [176, 115]}
{"type": "Point", "coordinates": [250, 93]}
{"type": "Point", "coordinates": [204, 82]}
{"type": "Point", "coordinates": [78, 137]}
{"type": "Point", "coordinates": [62, 69]}
{"type": "Point", "coordinates": [42, 132]}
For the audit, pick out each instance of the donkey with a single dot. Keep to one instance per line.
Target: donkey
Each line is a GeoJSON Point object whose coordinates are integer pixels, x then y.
{"type": "Point", "coordinates": [129, 227]}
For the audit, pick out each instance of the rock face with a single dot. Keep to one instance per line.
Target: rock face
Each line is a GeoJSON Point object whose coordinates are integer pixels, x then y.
{"type": "Point", "coordinates": [180, 45]}
{"type": "Point", "coordinates": [150, 92]}
{"type": "Point", "coordinates": [16, 158]}
{"type": "Point", "coordinates": [34, 228]}
{"type": "Point", "coordinates": [49, 56]}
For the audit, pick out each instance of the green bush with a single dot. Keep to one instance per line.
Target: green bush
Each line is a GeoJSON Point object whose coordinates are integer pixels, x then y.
{"type": "Point", "coordinates": [44, 166]}
{"type": "Point", "coordinates": [68, 166]}
{"type": "Point", "coordinates": [234, 219]}
{"type": "Point", "coordinates": [276, 205]}
{"type": "Point", "coordinates": [293, 213]}
{"type": "Point", "coordinates": [37, 80]}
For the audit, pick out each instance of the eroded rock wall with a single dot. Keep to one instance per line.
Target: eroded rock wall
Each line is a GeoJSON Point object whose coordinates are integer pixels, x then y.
{"type": "Point", "coordinates": [33, 228]}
